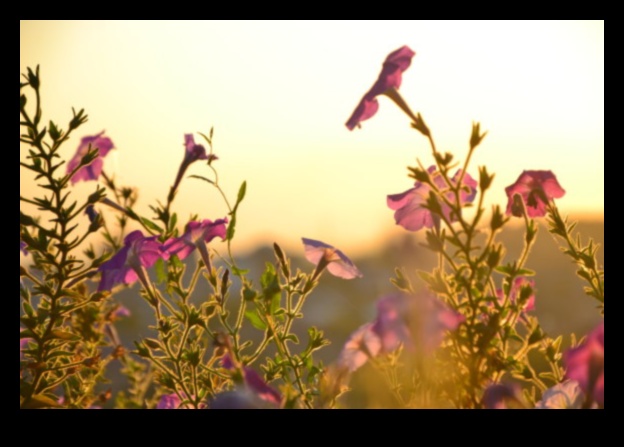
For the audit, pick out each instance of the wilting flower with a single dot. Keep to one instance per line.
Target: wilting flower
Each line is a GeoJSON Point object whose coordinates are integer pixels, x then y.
{"type": "Point", "coordinates": [502, 396]}
{"type": "Point", "coordinates": [129, 263]}
{"type": "Point", "coordinates": [196, 236]}
{"type": "Point", "coordinates": [363, 344]}
{"type": "Point", "coordinates": [192, 153]}
{"type": "Point", "coordinates": [536, 188]}
{"type": "Point", "coordinates": [585, 364]}
{"type": "Point", "coordinates": [390, 78]}
{"type": "Point", "coordinates": [255, 384]}
{"type": "Point", "coordinates": [515, 293]}
{"type": "Point", "coordinates": [93, 170]}
{"type": "Point", "coordinates": [416, 321]}
{"type": "Point", "coordinates": [563, 396]}
{"type": "Point", "coordinates": [324, 255]}
{"type": "Point", "coordinates": [409, 206]}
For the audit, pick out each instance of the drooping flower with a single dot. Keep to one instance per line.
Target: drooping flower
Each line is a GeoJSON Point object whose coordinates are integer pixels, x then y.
{"type": "Point", "coordinates": [129, 263]}
{"type": "Point", "coordinates": [93, 170]}
{"type": "Point", "coordinates": [409, 208]}
{"type": "Point", "coordinates": [537, 189]}
{"type": "Point", "coordinates": [563, 396]}
{"type": "Point", "coordinates": [419, 322]}
{"type": "Point", "coordinates": [192, 153]}
{"type": "Point", "coordinates": [363, 344]}
{"type": "Point", "coordinates": [196, 236]}
{"type": "Point", "coordinates": [585, 364]}
{"type": "Point", "coordinates": [390, 78]}
{"type": "Point", "coordinates": [325, 255]}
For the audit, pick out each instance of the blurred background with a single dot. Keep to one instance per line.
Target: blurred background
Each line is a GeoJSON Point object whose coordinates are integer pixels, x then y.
{"type": "Point", "coordinates": [278, 95]}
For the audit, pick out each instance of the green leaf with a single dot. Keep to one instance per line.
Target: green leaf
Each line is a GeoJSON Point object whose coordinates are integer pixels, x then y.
{"type": "Point", "coordinates": [161, 273]}
{"type": "Point", "coordinates": [151, 225]}
{"type": "Point", "coordinates": [202, 178]}
{"type": "Point", "coordinates": [40, 401]}
{"type": "Point", "coordinates": [241, 194]}
{"type": "Point", "coordinates": [63, 335]}
{"type": "Point", "coordinates": [255, 320]}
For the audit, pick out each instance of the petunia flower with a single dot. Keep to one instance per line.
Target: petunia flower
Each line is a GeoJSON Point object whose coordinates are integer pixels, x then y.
{"type": "Point", "coordinates": [585, 364]}
{"type": "Point", "coordinates": [563, 396]}
{"type": "Point", "coordinates": [93, 170]}
{"type": "Point", "coordinates": [502, 396]}
{"type": "Point", "coordinates": [192, 153]}
{"type": "Point", "coordinates": [196, 236]}
{"type": "Point", "coordinates": [536, 188]}
{"type": "Point", "coordinates": [325, 255]}
{"type": "Point", "coordinates": [388, 81]}
{"type": "Point", "coordinates": [129, 263]}
{"type": "Point", "coordinates": [254, 383]}
{"type": "Point", "coordinates": [419, 322]}
{"type": "Point", "coordinates": [409, 206]}
{"type": "Point", "coordinates": [362, 345]}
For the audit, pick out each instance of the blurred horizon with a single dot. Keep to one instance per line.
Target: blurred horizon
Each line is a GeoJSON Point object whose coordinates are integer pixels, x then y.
{"type": "Point", "coordinates": [278, 95]}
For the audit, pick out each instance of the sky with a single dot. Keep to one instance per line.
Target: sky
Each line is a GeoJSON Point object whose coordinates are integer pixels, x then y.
{"type": "Point", "coordinates": [278, 95]}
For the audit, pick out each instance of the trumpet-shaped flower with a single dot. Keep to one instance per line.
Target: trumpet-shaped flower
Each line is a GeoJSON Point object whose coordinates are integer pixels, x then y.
{"type": "Point", "coordinates": [363, 344]}
{"type": "Point", "coordinates": [93, 170]}
{"type": "Point", "coordinates": [390, 78]}
{"type": "Point", "coordinates": [196, 236]}
{"type": "Point", "coordinates": [410, 211]}
{"type": "Point", "coordinates": [325, 255]}
{"type": "Point", "coordinates": [255, 384]}
{"type": "Point", "coordinates": [536, 189]}
{"type": "Point", "coordinates": [192, 153]}
{"type": "Point", "coordinates": [129, 263]}
{"type": "Point", "coordinates": [585, 364]}
{"type": "Point", "coordinates": [416, 321]}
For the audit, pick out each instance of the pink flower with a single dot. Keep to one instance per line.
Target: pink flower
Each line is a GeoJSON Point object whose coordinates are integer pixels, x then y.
{"type": "Point", "coordinates": [514, 294]}
{"type": "Point", "coordinates": [416, 321]}
{"type": "Point", "coordinates": [585, 364]}
{"type": "Point", "coordinates": [324, 255]}
{"type": "Point", "coordinates": [93, 170]}
{"type": "Point", "coordinates": [390, 78]}
{"type": "Point", "coordinates": [196, 236]}
{"type": "Point", "coordinates": [410, 211]}
{"type": "Point", "coordinates": [192, 153]}
{"type": "Point", "coordinates": [536, 188]}
{"type": "Point", "coordinates": [255, 384]}
{"type": "Point", "coordinates": [129, 263]}
{"type": "Point", "coordinates": [361, 345]}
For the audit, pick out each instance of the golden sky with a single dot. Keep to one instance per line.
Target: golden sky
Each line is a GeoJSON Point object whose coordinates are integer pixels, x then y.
{"type": "Point", "coordinates": [278, 95]}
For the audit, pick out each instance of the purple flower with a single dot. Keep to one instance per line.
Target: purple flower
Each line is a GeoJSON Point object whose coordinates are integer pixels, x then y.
{"type": "Point", "coordinates": [419, 322]}
{"type": "Point", "coordinates": [255, 383]}
{"type": "Point", "coordinates": [196, 236]}
{"type": "Point", "coordinates": [324, 255]}
{"type": "Point", "coordinates": [94, 169]}
{"type": "Point", "coordinates": [361, 345]}
{"type": "Point", "coordinates": [585, 364]}
{"type": "Point", "coordinates": [23, 246]}
{"type": "Point", "coordinates": [563, 396]}
{"type": "Point", "coordinates": [129, 263]}
{"type": "Point", "coordinates": [502, 396]}
{"type": "Point", "coordinates": [192, 153]}
{"type": "Point", "coordinates": [390, 78]}
{"type": "Point", "coordinates": [410, 211]}
{"type": "Point", "coordinates": [172, 402]}
{"type": "Point", "coordinates": [536, 188]}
